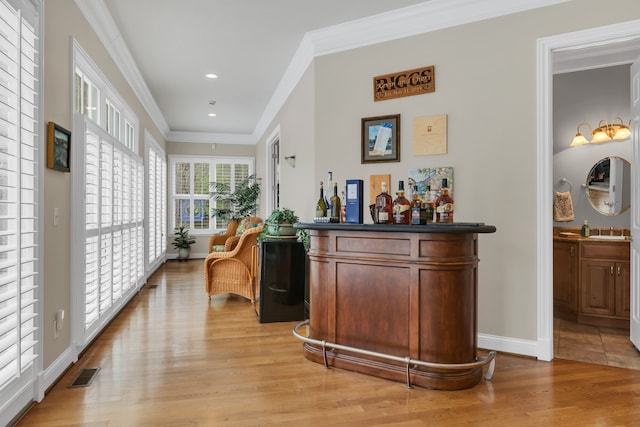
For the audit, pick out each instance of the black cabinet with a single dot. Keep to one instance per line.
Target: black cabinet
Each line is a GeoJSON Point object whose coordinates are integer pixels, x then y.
{"type": "Point", "coordinates": [280, 289]}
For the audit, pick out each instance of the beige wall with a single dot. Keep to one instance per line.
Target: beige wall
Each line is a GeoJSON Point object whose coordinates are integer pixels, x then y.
{"type": "Point", "coordinates": [62, 21]}
{"type": "Point", "coordinates": [486, 84]}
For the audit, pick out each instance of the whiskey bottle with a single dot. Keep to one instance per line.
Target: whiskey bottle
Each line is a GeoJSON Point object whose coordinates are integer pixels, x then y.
{"type": "Point", "coordinates": [335, 205]}
{"type": "Point", "coordinates": [401, 207]}
{"type": "Point", "coordinates": [444, 204]}
{"type": "Point", "coordinates": [321, 206]}
{"type": "Point", "coordinates": [429, 204]}
{"type": "Point", "coordinates": [384, 206]}
{"type": "Point", "coordinates": [417, 210]}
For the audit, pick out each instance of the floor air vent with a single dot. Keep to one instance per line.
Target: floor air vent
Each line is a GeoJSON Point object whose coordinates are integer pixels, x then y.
{"type": "Point", "coordinates": [153, 286]}
{"type": "Point", "coordinates": [85, 377]}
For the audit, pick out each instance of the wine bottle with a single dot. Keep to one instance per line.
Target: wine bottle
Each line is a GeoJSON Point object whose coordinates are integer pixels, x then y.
{"type": "Point", "coordinates": [401, 207]}
{"type": "Point", "coordinates": [444, 204]}
{"type": "Point", "coordinates": [327, 197]}
{"type": "Point", "coordinates": [321, 206]}
{"type": "Point", "coordinates": [384, 206]}
{"type": "Point", "coordinates": [335, 205]}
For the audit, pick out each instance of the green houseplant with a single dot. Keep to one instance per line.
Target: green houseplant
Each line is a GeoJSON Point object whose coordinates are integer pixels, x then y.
{"type": "Point", "coordinates": [280, 223]}
{"type": "Point", "coordinates": [233, 205]}
{"type": "Point", "coordinates": [182, 242]}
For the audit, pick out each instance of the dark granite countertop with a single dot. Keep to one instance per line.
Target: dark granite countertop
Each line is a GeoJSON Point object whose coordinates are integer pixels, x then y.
{"type": "Point", "coordinates": [454, 227]}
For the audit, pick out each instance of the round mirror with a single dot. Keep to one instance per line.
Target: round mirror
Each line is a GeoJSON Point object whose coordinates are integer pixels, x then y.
{"type": "Point", "coordinates": [609, 186]}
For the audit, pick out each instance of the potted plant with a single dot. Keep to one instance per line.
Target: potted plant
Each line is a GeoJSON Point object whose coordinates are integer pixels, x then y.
{"type": "Point", "coordinates": [280, 223]}
{"type": "Point", "coordinates": [182, 242]}
{"type": "Point", "coordinates": [233, 205]}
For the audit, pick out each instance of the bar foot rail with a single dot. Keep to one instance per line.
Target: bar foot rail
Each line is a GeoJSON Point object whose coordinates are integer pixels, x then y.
{"type": "Point", "coordinates": [481, 361]}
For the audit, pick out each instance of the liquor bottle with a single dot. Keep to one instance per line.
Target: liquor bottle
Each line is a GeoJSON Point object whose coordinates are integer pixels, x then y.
{"type": "Point", "coordinates": [585, 229]}
{"type": "Point", "coordinates": [343, 207]}
{"type": "Point", "coordinates": [335, 205]}
{"type": "Point", "coordinates": [429, 204]}
{"type": "Point", "coordinates": [444, 204]}
{"type": "Point", "coordinates": [401, 207]}
{"type": "Point", "coordinates": [327, 197]}
{"type": "Point", "coordinates": [321, 206]}
{"type": "Point", "coordinates": [417, 210]}
{"type": "Point", "coordinates": [384, 206]}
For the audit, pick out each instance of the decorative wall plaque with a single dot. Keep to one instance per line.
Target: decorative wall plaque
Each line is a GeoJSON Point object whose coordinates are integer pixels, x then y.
{"type": "Point", "coordinates": [430, 135]}
{"type": "Point", "coordinates": [404, 83]}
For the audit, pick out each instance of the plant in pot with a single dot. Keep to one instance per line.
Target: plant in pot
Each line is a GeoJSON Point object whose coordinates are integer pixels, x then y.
{"type": "Point", "coordinates": [280, 223]}
{"type": "Point", "coordinates": [227, 205]}
{"type": "Point", "coordinates": [182, 242]}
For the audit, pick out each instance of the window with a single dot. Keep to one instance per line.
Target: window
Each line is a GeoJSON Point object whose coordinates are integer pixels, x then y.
{"type": "Point", "coordinates": [19, 205]}
{"type": "Point", "coordinates": [156, 201]}
{"type": "Point", "coordinates": [108, 228]}
{"type": "Point", "coordinates": [87, 100]}
{"type": "Point", "coordinates": [190, 179]}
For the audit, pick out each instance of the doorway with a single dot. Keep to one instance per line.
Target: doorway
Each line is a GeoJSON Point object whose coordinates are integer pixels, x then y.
{"type": "Point", "coordinates": [598, 47]}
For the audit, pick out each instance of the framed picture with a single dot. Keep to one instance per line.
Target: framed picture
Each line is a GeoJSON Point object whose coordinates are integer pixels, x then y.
{"type": "Point", "coordinates": [381, 139]}
{"type": "Point", "coordinates": [58, 147]}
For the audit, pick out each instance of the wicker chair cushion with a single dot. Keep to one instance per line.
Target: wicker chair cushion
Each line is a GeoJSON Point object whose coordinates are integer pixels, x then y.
{"type": "Point", "coordinates": [243, 225]}
{"type": "Point", "coordinates": [217, 248]}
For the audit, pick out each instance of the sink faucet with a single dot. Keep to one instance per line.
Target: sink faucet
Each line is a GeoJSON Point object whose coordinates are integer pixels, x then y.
{"type": "Point", "coordinates": [610, 231]}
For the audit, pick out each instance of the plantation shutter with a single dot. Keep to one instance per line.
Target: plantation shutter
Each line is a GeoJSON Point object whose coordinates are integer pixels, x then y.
{"type": "Point", "coordinates": [18, 195]}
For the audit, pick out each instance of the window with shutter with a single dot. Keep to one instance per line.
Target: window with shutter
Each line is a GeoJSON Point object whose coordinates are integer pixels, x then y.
{"type": "Point", "coordinates": [109, 197]}
{"type": "Point", "coordinates": [156, 199]}
{"type": "Point", "coordinates": [19, 200]}
{"type": "Point", "coordinates": [191, 178]}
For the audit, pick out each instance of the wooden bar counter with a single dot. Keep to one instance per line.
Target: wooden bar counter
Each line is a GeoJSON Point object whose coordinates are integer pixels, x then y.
{"type": "Point", "coordinates": [403, 290]}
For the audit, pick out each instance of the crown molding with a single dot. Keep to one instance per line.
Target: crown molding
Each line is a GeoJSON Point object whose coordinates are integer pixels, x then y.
{"type": "Point", "coordinates": [404, 22]}
{"type": "Point", "coordinates": [210, 137]}
{"type": "Point", "coordinates": [99, 17]}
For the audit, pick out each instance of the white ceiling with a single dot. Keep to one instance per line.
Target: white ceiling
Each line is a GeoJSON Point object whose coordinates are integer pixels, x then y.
{"type": "Point", "coordinates": [247, 43]}
{"type": "Point", "coordinates": [258, 48]}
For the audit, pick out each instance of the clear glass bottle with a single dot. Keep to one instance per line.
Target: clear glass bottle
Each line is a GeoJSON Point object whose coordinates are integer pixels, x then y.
{"type": "Point", "coordinates": [401, 207]}
{"type": "Point", "coordinates": [384, 206]}
{"type": "Point", "coordinates": [327, 196]}
{"type": "Point", "coordinates": [444, 204]}
{"type": "Point", "coordinates": [335, 205]}
{"type": "Point", "coordinates": [321, 205]}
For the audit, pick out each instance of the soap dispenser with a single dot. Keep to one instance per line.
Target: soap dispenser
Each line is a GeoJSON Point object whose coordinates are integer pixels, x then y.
{"type": "Point", "coordinates": [585, 229]}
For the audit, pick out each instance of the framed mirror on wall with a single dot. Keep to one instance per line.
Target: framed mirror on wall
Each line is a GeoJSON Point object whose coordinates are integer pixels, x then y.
{"type": "Point", "coordinates": [608, 186]}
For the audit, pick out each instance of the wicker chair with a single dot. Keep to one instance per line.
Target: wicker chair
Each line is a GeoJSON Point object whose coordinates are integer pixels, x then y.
{"type": "Point", "coordinates": [231, 236]}
{"type": "Point", "coordinates": [234, 271]}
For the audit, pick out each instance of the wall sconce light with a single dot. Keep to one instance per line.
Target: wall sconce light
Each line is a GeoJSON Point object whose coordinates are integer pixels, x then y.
{"type": "Point", "coordinates": [291, 160]}
{"type": "Point", "coordinates": [604, 132]}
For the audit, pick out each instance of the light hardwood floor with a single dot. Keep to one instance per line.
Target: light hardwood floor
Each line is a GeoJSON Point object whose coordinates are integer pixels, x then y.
{"type": "Point", "coordinates": [173, 359]}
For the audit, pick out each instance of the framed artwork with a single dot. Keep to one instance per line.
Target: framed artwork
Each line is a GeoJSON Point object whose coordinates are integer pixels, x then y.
{"type": "Point", "coordinates": [381, 139]}
{"type": "Point", "coordinates": [58, 147]}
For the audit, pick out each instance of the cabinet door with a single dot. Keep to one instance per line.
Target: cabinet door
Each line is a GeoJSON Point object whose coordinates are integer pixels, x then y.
{"type": "Point", "coordinates": [623, 289]}
{"type": "Point", "coordinates": [597, 287]}
{"type": "Point", "coordinates": [565, 276]}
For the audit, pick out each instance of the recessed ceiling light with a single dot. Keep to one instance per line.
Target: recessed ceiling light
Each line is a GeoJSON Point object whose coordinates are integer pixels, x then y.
{"type": "Point", "coordinates": [211, 76]}
{"type": "Point", "coordinates": [211, 114]}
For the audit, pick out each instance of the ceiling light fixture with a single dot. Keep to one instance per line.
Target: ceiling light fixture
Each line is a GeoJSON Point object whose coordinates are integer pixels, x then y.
{"type": "Point", "coordinates": [211, 76]}
{"type": "Point", "coordinates": [604, 132]}
{"type": "Point", "coordinates": [212, 114]}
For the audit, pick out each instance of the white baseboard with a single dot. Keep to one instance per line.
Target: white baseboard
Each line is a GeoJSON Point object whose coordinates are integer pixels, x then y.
{"type": "Point", "coordinates": [48, 377]}
{"type": "Point", "coordinates": [508, 345]}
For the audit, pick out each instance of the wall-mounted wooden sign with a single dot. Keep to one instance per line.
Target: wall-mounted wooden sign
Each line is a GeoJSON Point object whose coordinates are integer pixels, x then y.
{"type": "Point", "coordinates": [404, 83]}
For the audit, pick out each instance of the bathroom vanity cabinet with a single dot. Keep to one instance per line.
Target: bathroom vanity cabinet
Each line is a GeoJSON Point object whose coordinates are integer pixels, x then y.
{"type": "Point", "coordinates": [591, 281]}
